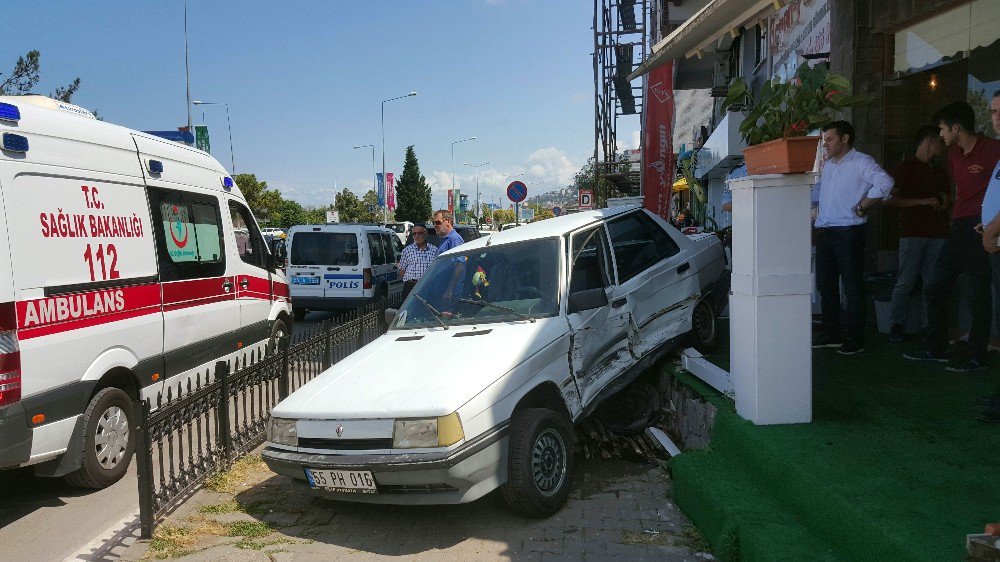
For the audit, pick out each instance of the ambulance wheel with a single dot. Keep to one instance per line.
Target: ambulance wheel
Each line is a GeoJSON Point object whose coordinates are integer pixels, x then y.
{"type": "Point", "coordinates": [300, 313]}
{"type": "Point", "coordinates": [279, 337]}
{"type": "Point", "coordinates": [540, 462]}
{"type": "Point", "coordinates": [108, 442]}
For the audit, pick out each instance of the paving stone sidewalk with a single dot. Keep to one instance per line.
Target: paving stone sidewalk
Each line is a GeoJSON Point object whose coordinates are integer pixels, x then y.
{"type": "Point", "coordinates": [617, 510]}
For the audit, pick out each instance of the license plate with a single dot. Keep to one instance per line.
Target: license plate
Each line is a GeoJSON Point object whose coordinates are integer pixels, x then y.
{"type": "Point", "coordinates": [351, 481]}
{"type": "Point", "coordinates": [305, 280]}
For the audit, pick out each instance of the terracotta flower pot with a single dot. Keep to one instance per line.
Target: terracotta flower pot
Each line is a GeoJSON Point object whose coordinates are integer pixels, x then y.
{"type": "Point", "coordinates": [783, 156]}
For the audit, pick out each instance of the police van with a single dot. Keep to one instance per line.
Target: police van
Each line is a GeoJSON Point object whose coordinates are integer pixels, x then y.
{"type": "Point", "coordinates": [127, 263]}
{"type": "Point", "coordinates": [342, 266]}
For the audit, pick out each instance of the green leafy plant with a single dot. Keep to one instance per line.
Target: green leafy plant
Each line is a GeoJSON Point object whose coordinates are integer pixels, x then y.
{"type": "Point", "coordinates": [792, 108]}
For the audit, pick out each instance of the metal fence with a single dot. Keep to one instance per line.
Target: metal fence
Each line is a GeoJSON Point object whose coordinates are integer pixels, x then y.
{"type": "Point", "coordinates": [203, 424]}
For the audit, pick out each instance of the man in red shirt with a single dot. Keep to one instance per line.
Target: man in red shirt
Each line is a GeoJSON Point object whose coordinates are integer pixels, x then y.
{"type": "Point", "coordinates": [920, 192]}
{"type": "Point", "coordinates": [971, 159]}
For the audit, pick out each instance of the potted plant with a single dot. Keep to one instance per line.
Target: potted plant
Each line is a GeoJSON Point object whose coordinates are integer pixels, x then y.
{"type": "Point", "coordinates": [779, 119]}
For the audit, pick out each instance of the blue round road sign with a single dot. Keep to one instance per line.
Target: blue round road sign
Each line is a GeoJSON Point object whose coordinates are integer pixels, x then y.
{"type": "Point", "coordinates": [557, 211]}
{"type": "Point", "coordinates": [517, 191]}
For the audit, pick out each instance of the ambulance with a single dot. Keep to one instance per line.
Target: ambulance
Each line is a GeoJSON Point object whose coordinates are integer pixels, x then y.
{"type": "Point", "coordinates": [127, 263]}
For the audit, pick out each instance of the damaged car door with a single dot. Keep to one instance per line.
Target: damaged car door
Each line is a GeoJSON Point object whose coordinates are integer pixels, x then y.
{"type": "Point", "coordinates": [655, 276]}
{"type": "Point", "coordinates": [598, 321]}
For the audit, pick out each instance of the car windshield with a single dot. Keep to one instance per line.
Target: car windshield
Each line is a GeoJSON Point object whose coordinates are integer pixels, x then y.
{"type": "Point", "coordinates": [324, 248]}
{"type": "Point", "coordinates": [490, 284]}
{"type": "Point", "coordinates": [398, 227]}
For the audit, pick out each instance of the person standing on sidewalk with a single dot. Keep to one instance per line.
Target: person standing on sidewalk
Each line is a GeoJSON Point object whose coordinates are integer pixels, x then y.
{"type": "Point", "coordinates": [971, 159]}
{"type": "Point", "coordinates": [920, 194]}
{"type": "Point", "coordinates": [850, 184]}
{"type": "Point", "coordinates": [416, 258]}
{"type": "Point", "coordinates": [450, 238]}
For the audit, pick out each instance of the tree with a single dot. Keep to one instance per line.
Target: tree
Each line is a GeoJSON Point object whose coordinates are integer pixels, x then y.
{"type": "Point", "coordinates": [503, 216]}
{"type": "Point", "coordinates": [413, 194]}
{"type": "Point", "coordinates": [541, 213]}
{"type": "Point", "coordinates": [348, 206]}
{"type": "Point", "coordinates": [601, 190]}
{"type": "Point", "coordinates": [25, 76]}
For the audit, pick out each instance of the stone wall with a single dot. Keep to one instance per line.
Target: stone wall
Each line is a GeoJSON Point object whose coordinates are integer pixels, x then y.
{"type": "Point", "coordinates": [689, 415]}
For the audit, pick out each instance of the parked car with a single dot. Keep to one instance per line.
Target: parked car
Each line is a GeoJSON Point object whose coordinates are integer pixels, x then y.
{"type": "Point", "coordinates": [510, 225]}
{"type": "Point", "coordinates": [275, 232]}
{"type": "Point", "coordinates": [480, 389]}
{"type": "Point", "coordinates": [341, 266]}
{"type": "Point", "coordinates": [402, 229]}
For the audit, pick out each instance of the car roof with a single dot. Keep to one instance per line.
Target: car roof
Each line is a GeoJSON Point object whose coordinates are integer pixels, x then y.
{"type": "Point", "coordinates": [557, 226]}
{"type": "Point", "coordinates": [339, 227]}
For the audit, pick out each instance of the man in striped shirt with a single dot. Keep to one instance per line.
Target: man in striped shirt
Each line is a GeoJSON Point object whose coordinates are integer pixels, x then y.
{"type": "Point", "coordinates": [416, 258]}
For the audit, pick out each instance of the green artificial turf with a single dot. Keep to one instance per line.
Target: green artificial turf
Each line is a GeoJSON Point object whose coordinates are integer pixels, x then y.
{"type": "Point", "coordinates": [893, 467]}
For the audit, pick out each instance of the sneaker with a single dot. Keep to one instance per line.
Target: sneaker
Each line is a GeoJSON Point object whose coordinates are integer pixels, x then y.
{"type": "Point", "coordinates": [851, 346]}
{"type": "Point", "coordinates": [896, 333]}
{"type": "Point", "coordinates": [926, 355]}
{"type": "Point", "coordinates": [970, 365]}
{"type": "Point", "coordinates": [822, 339]}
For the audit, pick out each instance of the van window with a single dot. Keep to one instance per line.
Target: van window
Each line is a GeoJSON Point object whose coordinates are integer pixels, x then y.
{"type": "Point", "coordinates": [189, 240]}
{"type": "Point", "coordinates": [324, 248]}
{"type": "Point", "coordinates": [375, 246]}
{"type": "Point", "coordinates": [248, 240]}
{"type": "Point", "coordinates": [389, 249]}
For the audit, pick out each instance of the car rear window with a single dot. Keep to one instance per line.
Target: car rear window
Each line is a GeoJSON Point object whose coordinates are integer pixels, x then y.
{"type": "Point", "coordinates": [324, 248]}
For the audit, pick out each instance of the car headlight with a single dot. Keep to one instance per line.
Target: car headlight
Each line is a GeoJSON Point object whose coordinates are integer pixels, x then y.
{"type": "Point", "coordinates": [422, 433]}
{"type": "Point", "coordinates": [282, 432]}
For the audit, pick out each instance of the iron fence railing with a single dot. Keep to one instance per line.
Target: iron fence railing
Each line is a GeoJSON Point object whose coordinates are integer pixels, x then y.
{"type": "Point", "coordinates": [203, 424]}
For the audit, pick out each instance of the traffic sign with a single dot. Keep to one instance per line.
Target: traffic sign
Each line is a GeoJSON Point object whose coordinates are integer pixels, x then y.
{"type": "Point", "coordinates": [586, 199]}
{"type": "Point", "coordinates": [557, 211]}
{"type": "Point", "coordinates": [517, 191]}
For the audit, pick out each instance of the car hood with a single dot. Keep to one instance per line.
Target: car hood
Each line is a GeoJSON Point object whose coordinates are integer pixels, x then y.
{"type": "Point", "coordinates": [399, 376]}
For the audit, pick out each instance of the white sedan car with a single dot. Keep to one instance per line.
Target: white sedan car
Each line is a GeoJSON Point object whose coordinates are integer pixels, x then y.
{"type": "Point", "coordinates": [503, 344]}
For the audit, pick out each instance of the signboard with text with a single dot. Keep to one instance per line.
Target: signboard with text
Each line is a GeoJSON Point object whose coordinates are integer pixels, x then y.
{"type": "Point", "coordinates": [658, 157]}
{"type": "Point", "coordinates": [381, 189]}
{"type": "Point", "coordinates": [586, 200]}
{"type": "Point", "coordinates": [390, 190]}
{"type": "Point", "coordinates": [201, 138]}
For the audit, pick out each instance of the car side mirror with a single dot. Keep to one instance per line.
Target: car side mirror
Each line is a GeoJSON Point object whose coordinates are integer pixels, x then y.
{"type": "Point", "coordinates": [390, 315]}
{"type": "Point", "coordinates": [278, 253]}
{"type": "Point", "coordinates": [587, 300]}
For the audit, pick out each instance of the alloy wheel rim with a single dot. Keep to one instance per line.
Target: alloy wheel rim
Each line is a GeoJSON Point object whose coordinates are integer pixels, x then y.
{"type": "Point", "coordinates": [111, 438]}
{"type": "Point", "coordinates": [548, 462]}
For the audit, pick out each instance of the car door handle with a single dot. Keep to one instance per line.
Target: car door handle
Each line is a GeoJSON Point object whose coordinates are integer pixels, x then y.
{"type": "Point", "coordinates": [618, 303]}
{"type": "Point", "coordinates": [227, 286]}
{"type": "Point", "coordinates": [333, 269]}
{"type": "Point", "coordinates": [683, 267]}
{"type": "Point", "coordinates": [244, 283]}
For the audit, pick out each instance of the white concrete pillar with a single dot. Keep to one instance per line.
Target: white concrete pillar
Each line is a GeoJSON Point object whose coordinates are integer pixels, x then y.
{"type": "Point", "coordinates": [770, 307]}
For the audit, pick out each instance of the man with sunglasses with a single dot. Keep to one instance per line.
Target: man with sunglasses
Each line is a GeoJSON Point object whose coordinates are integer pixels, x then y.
{"type": "Point", "coordinates": [450, 238]}
{"type": "Point", "coordinates": [416, 258]}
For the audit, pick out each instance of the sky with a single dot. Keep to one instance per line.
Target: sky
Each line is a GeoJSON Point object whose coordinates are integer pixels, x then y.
{"type": "Point", "coordinates": [304, 83]}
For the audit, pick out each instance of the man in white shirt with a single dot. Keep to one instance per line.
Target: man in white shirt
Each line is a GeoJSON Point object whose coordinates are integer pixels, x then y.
{"type": "Point", "coordinates": [850, 185]}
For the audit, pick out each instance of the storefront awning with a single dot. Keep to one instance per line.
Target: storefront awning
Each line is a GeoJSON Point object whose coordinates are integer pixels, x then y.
{"type": "Point", "coordinates": [717, 18]}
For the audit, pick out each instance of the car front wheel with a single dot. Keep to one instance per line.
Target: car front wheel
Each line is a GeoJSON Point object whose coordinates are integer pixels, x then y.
{"type": "Point", "coordinates": [540, 462]}
{"type": "Point", "coordinates": [107, 440]}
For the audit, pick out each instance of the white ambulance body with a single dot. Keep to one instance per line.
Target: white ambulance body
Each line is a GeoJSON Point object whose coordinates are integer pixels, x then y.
{"type": "Point", "coordinates": [127, 263]}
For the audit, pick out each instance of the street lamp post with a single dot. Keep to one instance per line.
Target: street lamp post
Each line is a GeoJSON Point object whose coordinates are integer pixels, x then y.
{"type": "Point", "coordinates": [372, 146]}
{"type": "Point", "coordinates": [229, 125]}
{"type": "Point", "coordinates": [477, 166]}
{"type": "Point", "coordinates": [453, 163]}
{"type": "Point", "coordinates": [385, 207]}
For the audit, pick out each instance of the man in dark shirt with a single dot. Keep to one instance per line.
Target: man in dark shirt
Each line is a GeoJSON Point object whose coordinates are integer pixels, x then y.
{"type": "Point", "coordinates": [971, 159]}
{"type": "Point", "coordinates": [920, 193]}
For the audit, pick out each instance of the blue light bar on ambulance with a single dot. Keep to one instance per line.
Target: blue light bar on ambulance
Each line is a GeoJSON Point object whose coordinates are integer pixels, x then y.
{"type": "Point", "coordinates": [15, 143]}
{"type": "Point", "coordinates": [227, 183]}
{"type": "Point", "coordinates": [9, 112]}
{"type": "Point", "coordinates": [186, 137]}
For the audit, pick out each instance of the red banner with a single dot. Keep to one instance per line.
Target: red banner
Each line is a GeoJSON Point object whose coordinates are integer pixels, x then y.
{"type": "Point", "coordinates": [451, 203]}
{"type": "Point", "coordinates": [390, 191]}
{"type": "Point", "coordinates": [658, 132]}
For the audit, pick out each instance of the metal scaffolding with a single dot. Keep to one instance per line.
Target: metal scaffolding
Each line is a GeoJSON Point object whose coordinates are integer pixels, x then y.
{"type": "Point", "coordinates": [619, 47]}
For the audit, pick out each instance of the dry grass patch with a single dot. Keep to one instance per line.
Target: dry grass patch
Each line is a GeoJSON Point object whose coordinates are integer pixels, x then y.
{"type": "Point", "coordinates": [171, 541]}
{"type": "Point", "coordinates": [228, 506]}
{"type": "Point", "coordinates": [243, 475]}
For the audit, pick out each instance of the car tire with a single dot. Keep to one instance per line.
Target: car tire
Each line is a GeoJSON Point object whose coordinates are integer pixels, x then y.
{"type": "Point", "coordinates": [704, 334]}
{"type": "Point", "coordinates": [540, 462]}
{"type": "Point", "coordinates": [109, 418]}
{"type": "Point", "coordinates": [280, 337]}
{"type": "Point", "coordinates": [299, 313]}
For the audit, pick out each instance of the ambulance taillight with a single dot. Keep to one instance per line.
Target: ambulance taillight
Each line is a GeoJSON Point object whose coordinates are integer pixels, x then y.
{"type": "Point", "coordinates": [10, 356]}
